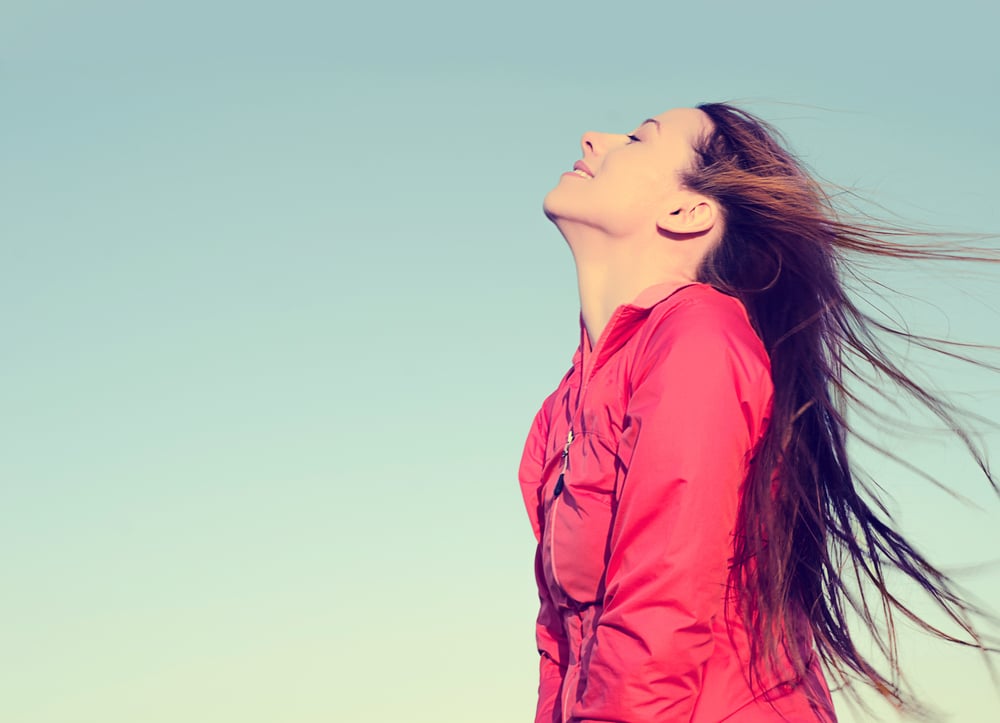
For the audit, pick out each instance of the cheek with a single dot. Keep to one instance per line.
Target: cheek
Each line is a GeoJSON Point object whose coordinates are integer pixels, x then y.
{"type": "Point", "coordinates": [638, 194]}
{"type": "Point", "coordinates": [640, 178]}
{"type": "Point", "coordinates": [624, 198]}
{"type": "Point", "coordinates": [625, 209]}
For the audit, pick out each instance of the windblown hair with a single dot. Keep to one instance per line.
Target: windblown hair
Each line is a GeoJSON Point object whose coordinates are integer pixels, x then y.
{"type": "Point", "coordinates": [812, 537]}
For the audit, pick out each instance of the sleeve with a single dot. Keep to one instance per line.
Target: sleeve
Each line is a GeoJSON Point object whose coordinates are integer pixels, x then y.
{"type": "Point", "coordinates": [549, 633]}
{"type": "Point", "coordinates": [700, 391]}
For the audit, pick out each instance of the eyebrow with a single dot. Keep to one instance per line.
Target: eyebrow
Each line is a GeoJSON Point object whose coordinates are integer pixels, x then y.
{"type": "Point", "coordinates": [652, 120]}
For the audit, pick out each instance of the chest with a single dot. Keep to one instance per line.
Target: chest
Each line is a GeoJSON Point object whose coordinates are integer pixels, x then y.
{"type": "Point", "coordinates": [582, 473]}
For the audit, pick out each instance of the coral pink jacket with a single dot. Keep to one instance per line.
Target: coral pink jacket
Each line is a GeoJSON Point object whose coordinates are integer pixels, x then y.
{"type": "Point", "coordinates": [631, 475]}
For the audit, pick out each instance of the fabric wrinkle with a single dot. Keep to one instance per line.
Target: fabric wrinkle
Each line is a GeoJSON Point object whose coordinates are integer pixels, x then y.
{"type": "Point", "coordinates": [635, 514]}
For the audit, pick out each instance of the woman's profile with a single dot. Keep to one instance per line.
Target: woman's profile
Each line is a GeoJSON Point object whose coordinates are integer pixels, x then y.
{"type": "Point", "coordinates": [688, 482]}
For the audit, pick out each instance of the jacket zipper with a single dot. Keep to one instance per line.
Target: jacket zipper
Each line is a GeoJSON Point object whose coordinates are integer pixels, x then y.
{"type": "Point", "coordinates": [560, 483]}
{"type": "Point", "coordinates": [565, 698]}
{"type": "Point", "coordinates": [556, 492]}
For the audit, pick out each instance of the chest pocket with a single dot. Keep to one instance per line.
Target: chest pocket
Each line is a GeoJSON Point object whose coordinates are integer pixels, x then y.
{"type": "Point", "coordinates": [579, 520]}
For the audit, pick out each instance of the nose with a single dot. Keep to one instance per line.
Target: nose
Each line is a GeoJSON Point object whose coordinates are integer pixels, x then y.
{"type": "Point", "coordinates": [597, 144]}
{"type": "Point", "coordinates": [592, 143]}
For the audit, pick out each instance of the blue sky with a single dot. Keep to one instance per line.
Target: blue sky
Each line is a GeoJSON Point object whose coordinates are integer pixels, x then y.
{"type": "Point", "coordinates": [280, 302]}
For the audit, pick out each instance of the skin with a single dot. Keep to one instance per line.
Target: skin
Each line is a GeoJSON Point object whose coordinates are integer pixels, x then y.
{"type": "Point", "coordinates": [632, 224]}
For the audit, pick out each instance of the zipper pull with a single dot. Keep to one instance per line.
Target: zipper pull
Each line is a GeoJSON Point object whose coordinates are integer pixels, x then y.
{"type": "Point", "coordinates": [561, 482]}
{"type": "Point", "coordinates": [569, 441]}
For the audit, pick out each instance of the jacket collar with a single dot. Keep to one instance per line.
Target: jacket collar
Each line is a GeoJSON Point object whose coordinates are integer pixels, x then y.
{"type": "Point", "coordinates": [624, 322]}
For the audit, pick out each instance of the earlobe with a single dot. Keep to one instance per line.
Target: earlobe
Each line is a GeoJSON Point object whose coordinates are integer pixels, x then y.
{"type": "Point", "coordinates": [694, 216]}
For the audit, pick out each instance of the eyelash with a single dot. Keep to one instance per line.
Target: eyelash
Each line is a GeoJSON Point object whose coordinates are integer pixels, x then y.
{"type": "Point", "coordinates": [633, 138]}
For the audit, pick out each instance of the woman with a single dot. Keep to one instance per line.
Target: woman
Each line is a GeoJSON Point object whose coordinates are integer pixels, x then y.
{"type": "Point", "coordinates": [687, 481]}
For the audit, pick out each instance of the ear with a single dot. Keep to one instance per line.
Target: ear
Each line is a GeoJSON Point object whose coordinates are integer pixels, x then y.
{"type": "Point", "coordinates": [691, 214]}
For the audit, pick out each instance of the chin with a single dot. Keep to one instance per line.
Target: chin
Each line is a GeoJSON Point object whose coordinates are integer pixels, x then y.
{"type": "Point", "coordinates": [551, 205]}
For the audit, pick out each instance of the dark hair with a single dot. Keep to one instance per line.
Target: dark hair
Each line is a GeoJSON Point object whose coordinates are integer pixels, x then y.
{"type": "Point", "coordinates": [811, 544]}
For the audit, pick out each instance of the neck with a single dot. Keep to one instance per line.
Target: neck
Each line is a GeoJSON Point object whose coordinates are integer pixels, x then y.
{"type": "Point", "coordinates": [613, 272]}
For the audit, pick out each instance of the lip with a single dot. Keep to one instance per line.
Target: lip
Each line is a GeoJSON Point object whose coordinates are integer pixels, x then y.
{"type": "Point", "coordinates": [581, 166]}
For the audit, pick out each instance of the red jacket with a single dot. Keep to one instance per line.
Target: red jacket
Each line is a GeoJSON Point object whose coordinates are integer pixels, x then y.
{"type": "Point", "coordinates": [631, 474]}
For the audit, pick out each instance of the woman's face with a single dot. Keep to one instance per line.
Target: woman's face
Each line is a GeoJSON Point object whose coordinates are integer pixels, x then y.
{"type": "Point", "coordinates": [625, 182]}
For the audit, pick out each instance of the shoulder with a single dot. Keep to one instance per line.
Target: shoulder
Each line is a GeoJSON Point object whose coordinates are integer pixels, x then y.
{"type": "Point", "coordinates": [699, 317]}
{"type": "Point", "coordinates": [701, 352]}
{"type": "Point", "coordinates": [701, 306]}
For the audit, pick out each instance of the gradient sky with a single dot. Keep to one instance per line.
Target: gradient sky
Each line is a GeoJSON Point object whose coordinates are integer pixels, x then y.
{"type": "Point", "coordinates": [279, 304]}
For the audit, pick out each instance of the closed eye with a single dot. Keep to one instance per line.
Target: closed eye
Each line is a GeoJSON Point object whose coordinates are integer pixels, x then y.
{"type": "Point", "coordinates": [632, 138]}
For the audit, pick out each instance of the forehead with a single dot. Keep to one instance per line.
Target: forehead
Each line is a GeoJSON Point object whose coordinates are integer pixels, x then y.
{"type": "Point", "coordinates": [687, 124]}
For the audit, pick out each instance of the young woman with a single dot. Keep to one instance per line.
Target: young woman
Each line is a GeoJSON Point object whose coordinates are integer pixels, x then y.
{"type": "Point", "coordinates": [688, 481]}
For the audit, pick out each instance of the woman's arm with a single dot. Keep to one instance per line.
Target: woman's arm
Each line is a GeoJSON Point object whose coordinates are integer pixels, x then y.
{"type": "Point", "coordinates": [549, 632]}
{"type": "Point", "coordinates": [700, 392]}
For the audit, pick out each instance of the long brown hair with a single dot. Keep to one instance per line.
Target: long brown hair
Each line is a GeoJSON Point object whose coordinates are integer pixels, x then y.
{"type": "Point", "coordinates": [816, 541]}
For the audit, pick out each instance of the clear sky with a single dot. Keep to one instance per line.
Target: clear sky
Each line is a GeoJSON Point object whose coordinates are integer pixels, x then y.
{"type": "Point", "coordinates": [279, 303]}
